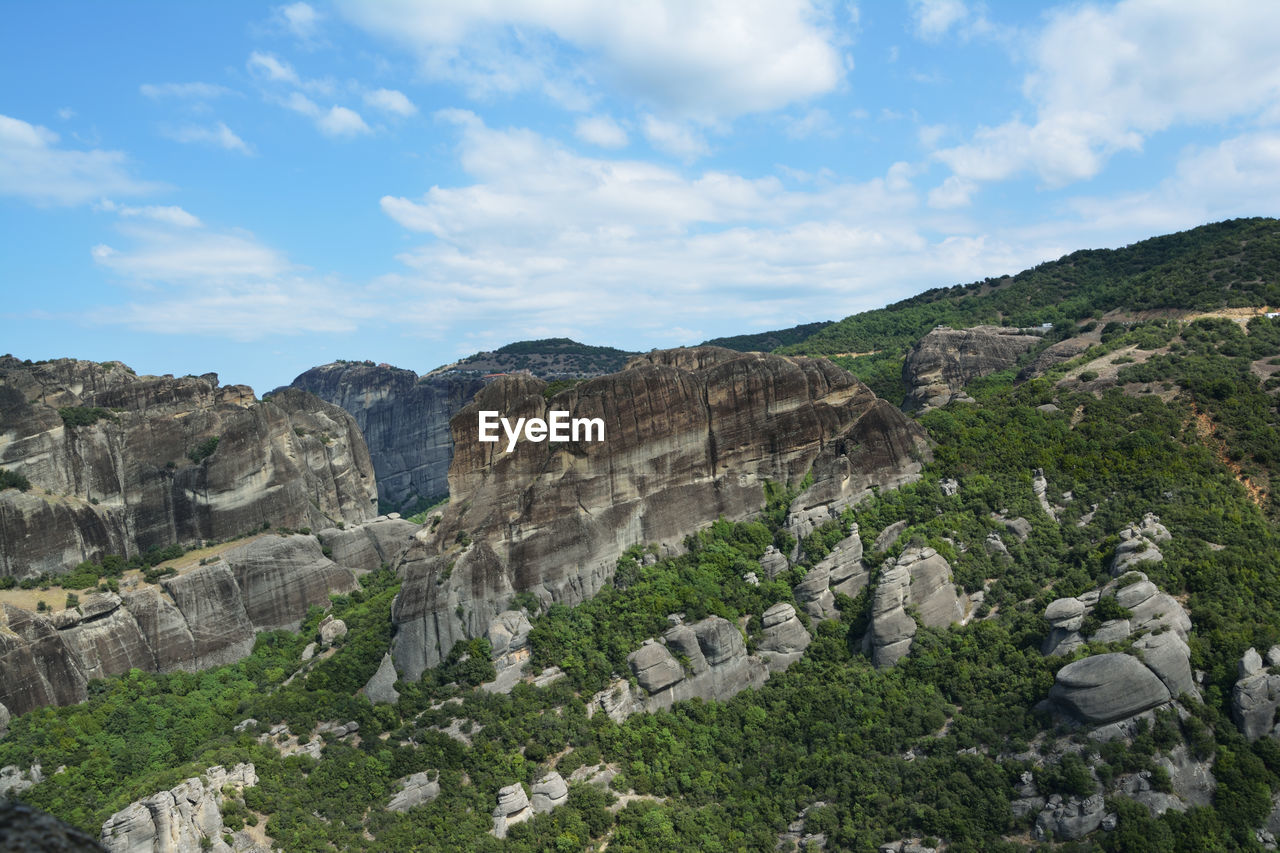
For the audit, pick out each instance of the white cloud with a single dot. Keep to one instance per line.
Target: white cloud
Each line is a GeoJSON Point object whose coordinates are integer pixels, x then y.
{"type": "Point", "coordinates": [602, 131]}
{"type": "Point", "coordinates": [953, 192]}
{"type": "Point", "coordinates": [933, 18]}
{"type": "Point", "coordinates": [676, 139]}
{"type": "Point", "coordinates": [391, 101]}
{"type": "Point", "coordinates": [300, 19]}
{"type": "Point", "coordinates": [541, 232]}
{"type": "Point", "coordinates": [219, 135]}
{"type": "Point", "coordinates": [342, 122]}
{"type": "Point", "coordinates": [167, 214]}
{"type": "Point", "coordinates": [193, 91]}
{"type": "Point", "coordinates": [1105, 79]}
{"type": "Point", "coordinates": [720, 58]}
{"type": "Point", "coordinates": [816, 122]}
{"type": "Point", "coordinates": [267, 66]}
{"type": "Point", "coordinates": [32, 167]}
{"type": "Point", "coordinates": [66, 113]}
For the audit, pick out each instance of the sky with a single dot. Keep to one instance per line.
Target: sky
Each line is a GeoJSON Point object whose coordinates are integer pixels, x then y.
{"type": "Point", "coordinates": [254, 189]}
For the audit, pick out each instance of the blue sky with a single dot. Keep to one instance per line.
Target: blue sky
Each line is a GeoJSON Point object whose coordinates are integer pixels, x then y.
{"type": "Point", "coordinates": [256, 189]}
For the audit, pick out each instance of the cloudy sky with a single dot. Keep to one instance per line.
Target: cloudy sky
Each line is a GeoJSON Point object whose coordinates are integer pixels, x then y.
{"type": "Point", "coordinates": [255, 190]}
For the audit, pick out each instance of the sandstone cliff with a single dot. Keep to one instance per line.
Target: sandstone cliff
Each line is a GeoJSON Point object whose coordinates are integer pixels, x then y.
{"type": "Point", "coordinates": [136, 462]}
{"type": "Point", "coordinates": [691, 435]}
{"type": "Point", "coordinates": [404, 418]}
{"type": "Point", "coordinates": [206, 616]}
{"type": "Point", "coordinates": [945, 360]}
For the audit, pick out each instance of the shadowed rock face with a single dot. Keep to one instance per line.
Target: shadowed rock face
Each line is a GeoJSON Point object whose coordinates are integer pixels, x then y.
{"type": "Point", "coordinates": [690, 435]}
{"type": "Point", "coordinates": [405, 421]}
{"type": "Point", "coordinates": [937, 369]}
{"type": "Point", "coordinates": [205, 617]}
{"type": "Point", "coordinates": [126, 482]}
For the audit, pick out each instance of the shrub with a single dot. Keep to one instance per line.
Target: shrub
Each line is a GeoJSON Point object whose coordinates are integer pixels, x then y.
{"type": "Point", "coordinates": [203, 450]}
{"type": "Point", "coordinates": [78, 416]}
{"type": "Point", "coordinates": [13, 480]}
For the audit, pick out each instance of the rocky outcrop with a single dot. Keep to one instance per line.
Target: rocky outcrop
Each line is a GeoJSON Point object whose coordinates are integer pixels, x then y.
{"type": "Point", "coordinates": [1108, 687]}
{"type": "Point", "coordinates": [416, 790]}
{"type": "Point", "coordinates": [690, 435]}
{"type": "Point", "coordinates": [404, 419]}
{"type": "Point", "coordinates": [1070, 819]}
{"type": "Point", "coordinates": [205, 616]}
{"type": "Point", "coordinates": [1104, 688]}
{"type": "Point", "coordinates": [784, 639]}
{"type": "Point", "coordinates": [920, 579]}
{"type": "Point", "coordinates": [365, 547]}
{"type": "Point", "coordinates": [144, 461]}
{"type": "Point", "coordinates": [513, 807]}
{"type": "Point", "coordinates": [1256, 695]}
{"type": "Point", "coordinates": [1138, 544]}
{"type": "Point", "coordinates": [945, 360]}
{"type": "Point", "coordinates": [185, 819]}
{"type": "Point", "coordinates": [549, 792]}
{"type": "Point", "coordinates": [1053, 355]}
{"type": "Point", "coordinates": [24, 829]}
{"type": "Point", "coordinates": [381, 689]}
{"type": "Point", "coordinates": [718, 667]}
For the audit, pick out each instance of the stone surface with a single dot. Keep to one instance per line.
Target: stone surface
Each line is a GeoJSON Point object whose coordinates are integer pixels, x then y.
{"type": "Point", "coordinates": [814, 593]}
{"type": "Point", "coordinates": [1138, 544]}
{"type": "Point", "coordinates": [784, 639]}
{"type": "Point", "coordinates": [185, 819]}
{"type": "Point", "coordinates": [654, 667]}
{"type": "Point", "coordinates": [945, 360]}
{"type": "Point", "coordinates": [1065, 613]}
{"type": "Point", "coordinates": [774, 562]}
{"type": "Point", "coordinates": [890, 535]}
{"type": "Point", "coordinates": [1255, 698]}
{"type": "Point", "coordinates": [921, 579]}
{"type": "Point", "coordinates": [331, 630]}
{"type": "Point", "coordinates": [125, 483]}
{"type": "Point", "coordinates": [1071, 819]}
{"type": "Point", "coordinates": [692, 435]}
{"type": "Point", "coordinates": [845, 570]}
{"type": "Point", "coordinates": [25, 829]}
{"type": "Point", "coordinates": [513, 807]}
{"type": "Point", "coordinates": [1103, 688]}
{"type": "Point", "coordinates": [381, 688]}
{"type": "Point", "coordinates": [415, 790]}
{"type": "Point", "coordinates": [367, 546]}
{"type": "Point", "coordinates": [205, 616]}
{"type": "Point", "coordinates": [549, 792]}
{"type": "Point", "coordinates": [4, 721]}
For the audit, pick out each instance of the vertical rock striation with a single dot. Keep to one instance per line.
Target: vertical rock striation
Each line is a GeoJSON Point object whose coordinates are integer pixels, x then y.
{"type": "Point", "coordinates": [690, 435]}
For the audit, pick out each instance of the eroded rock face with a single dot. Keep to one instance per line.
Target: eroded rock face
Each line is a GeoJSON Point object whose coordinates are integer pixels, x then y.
{"type": "Point", "coordinates": [24, 828]}
{"type": "Point", "coordinates": [1103, 688]}
{"type": "Point", "coordinates": [185, 819]}
{"type": "Point", "coordinates": [937, 369]}
{"type": "Point", "coordinates": [1070, 819]}
{"type": "Point", "coordinates": [1255, 698]}
{"type": "Point", "coordinates": [415, 790]}
{"type": "Point", "coordinates": [1138, 544]}
{"type": "Point", "coordinates": [784, 638]}
{"type": "Point", "coordinates": [513, 807]}
{"type": "Point", "coordinates": [691, 435]}
{"type": "Point", "coordinates": [367, 546]}
{"type": "Point", "coordinates": [921, 578]}
{"type": "Point", "coordinates": [206, 616]}
{"type": "Point", "coordinates": [404, 419]}
{"type": "Point", "coordinates": [549, 792]}
{"type": "Point", "coordinates": [126, 483]}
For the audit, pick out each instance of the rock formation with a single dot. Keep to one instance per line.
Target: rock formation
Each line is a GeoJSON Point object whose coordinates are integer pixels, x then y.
{"type": "Point", "coordinates": [718, 668]}
{"type": "Point", "coordinates": [1257, 695]}
{"type": "Point", "coordinates": [205, 616]}
{"type": "Point", "coordinates": [404, 419]}
{"type": "Point", "coordinates": [513, 807]}
{"type": "Point", "coordinates": [121, 463]}
{"type": "Point", "coordinates": [381, 689]}
{"type": "Point", "coordinates": [415, 790]}
{"type": "Point", "coordinates": [1070, 819]}
{"type": "Point", "coordinates": [1108, 687]}
{"type": "Point", "coordinates": [549, 792]}
{"type": "Point", "coordinates": [184, 819]}
{"type": "Point", "coordinates": [690, 435]}
{"type": "Point", "coordinates": [1053, 355]}
{"type": "Point", "coordinates": [784, 639]}
{"type": "Point", "coordinates": [945, 360]}
{"type": "Point", "coordinates": [368, 546]}
{"type": "Point", "coordinates": [920, 579]}
{"type": "Point", "coordinates": [24, 829]}
{"type": "Point", "coordinates": [1138, 544]}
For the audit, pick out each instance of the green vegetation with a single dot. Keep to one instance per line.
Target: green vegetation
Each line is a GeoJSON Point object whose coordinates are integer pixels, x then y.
{"type": "Point", "coordinates": [13, 480]}
{"type": "Point", "coordinates": [769, 341]}
{"type": "Point", "coordinates": [203, 450]}
{"type": "Point", "coordinates": [78, 416]}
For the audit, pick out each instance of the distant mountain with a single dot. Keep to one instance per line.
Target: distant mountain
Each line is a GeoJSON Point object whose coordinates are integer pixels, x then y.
{"type": "Point", "coordinates": [549, 358]}
{"type": "Point", "coordinates": [770, 341]}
